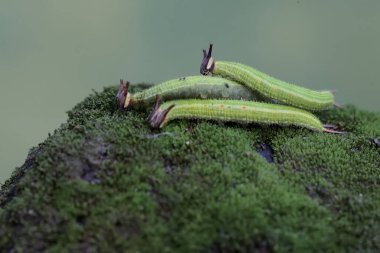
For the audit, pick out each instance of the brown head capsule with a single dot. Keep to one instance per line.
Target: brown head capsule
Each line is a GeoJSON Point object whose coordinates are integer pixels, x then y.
{"type": "Point", "coordinates": [123, 97]}
{"type": "Point", "coordinates": [157, 116]}
{"type": "Point", "coordinates": [207, 64]}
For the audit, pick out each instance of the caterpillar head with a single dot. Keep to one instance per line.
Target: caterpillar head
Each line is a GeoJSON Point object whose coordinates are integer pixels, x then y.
{"type": "Point", "coordinates": [157, 117]}
{"type": "Point", "coordinates": [208, 63]}
{"type": "Point", "coordinates": [123, 97]}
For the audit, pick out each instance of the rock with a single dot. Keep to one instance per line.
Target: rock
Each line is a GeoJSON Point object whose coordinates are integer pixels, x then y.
{"type": "Point", "coordinates": [106, 182]}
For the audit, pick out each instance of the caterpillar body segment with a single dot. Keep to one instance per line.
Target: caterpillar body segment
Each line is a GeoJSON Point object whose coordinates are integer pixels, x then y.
{"type": "Point", "coordinates": [273, 88]}
{"type": "Point", "coordinates": [266, 85]}
{"type": "Point", "coordinates": [234, 111]}
{"type": "Point", "coordinates": [186, 87]}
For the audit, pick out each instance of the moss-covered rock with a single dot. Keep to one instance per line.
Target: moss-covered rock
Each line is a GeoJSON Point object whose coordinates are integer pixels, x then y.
{"type": "Point", "coordinates": [106, 182]}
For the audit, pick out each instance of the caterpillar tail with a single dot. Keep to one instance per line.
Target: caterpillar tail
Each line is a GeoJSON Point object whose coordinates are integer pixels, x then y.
{"type": "Point", "coordinates": [331, 129]}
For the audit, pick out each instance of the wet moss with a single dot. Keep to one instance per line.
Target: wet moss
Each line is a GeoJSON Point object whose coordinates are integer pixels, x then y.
{"type": "Point", "coordinates": [107, 182]}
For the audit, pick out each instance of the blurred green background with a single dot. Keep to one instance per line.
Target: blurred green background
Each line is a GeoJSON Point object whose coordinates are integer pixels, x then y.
{"type": "Point", "coordinates": [53, 53]}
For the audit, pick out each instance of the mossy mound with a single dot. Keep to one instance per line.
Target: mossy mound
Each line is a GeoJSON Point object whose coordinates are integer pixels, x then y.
{"type": "Point", "coordinates": [106, 182]}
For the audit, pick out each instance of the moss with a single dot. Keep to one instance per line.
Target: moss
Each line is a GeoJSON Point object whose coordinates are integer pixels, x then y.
{"type": "Point", "coordinates": [106, 182]}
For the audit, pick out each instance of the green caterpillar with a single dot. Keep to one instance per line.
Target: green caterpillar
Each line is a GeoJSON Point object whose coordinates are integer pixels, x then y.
{"type": "Point", "coordinates": [266, 85]}
{"type": "Point", "coordinates": [185, 87]}
{"type": "Point", "coordinates": [235, 111]}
